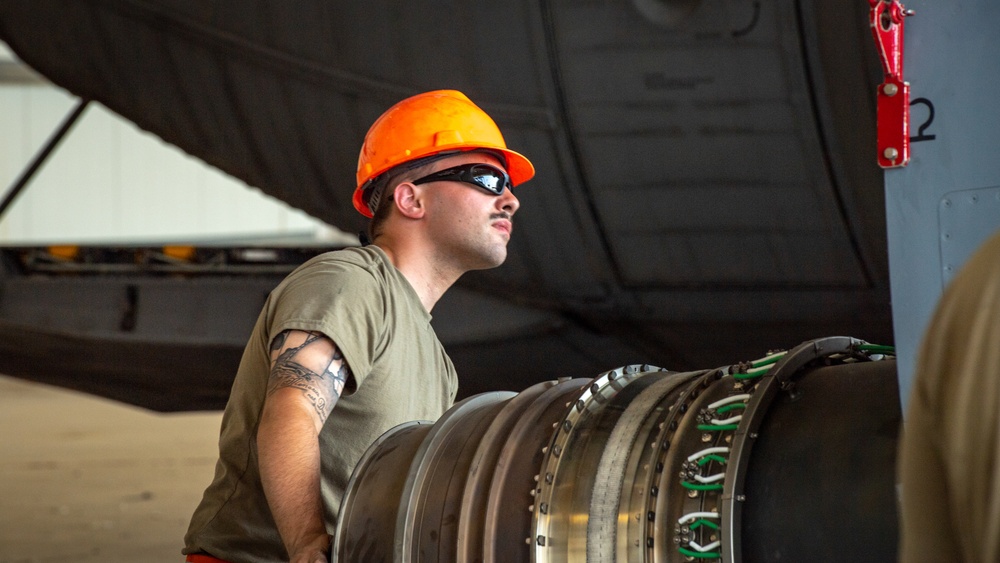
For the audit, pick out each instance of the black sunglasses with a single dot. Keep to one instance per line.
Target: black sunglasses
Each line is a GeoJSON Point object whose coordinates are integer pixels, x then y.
{"type": "Point", "coordinates": [485, 176]}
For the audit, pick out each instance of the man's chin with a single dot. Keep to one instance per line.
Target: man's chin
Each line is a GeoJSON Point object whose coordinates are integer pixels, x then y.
{"type": "Point", "coordinates": [493, 261]}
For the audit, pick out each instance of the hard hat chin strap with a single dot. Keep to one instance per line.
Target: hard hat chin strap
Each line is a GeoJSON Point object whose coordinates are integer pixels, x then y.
{"type": "Point", "coordinates": [376, 192]}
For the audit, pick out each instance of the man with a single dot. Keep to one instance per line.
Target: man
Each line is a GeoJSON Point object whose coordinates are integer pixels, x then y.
{"type": "Point", "coordinates": [949, 460]}
{"type": "Point", "coordinates": [343, 350]}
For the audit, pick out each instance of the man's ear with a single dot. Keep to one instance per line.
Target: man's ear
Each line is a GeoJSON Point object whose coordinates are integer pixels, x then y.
{"type": "Point", "coordinates": [409, 200]}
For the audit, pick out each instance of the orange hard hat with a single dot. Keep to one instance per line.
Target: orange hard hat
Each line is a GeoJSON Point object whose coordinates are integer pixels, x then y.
{"type": "Point", "coordinates": [425, 125]}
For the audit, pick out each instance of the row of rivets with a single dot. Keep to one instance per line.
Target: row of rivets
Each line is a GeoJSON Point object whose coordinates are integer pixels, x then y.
{"type": "Point", "coordinates": [593, 393]}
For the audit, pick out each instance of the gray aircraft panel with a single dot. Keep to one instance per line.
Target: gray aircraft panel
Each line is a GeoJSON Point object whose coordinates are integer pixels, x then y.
{"type": "Point", "coordinates": [965, 219]}
{"type": "Point", "coordinates": [932, 220]}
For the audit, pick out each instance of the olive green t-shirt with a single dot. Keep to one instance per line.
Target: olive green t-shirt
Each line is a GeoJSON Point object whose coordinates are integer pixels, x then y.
{"type": "Point", "coordinates": [358, 299]}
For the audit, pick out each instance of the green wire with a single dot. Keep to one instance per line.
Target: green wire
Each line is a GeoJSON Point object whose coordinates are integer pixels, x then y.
{"type": "Point", "coordinates": [755, 372]}
{"type": "Point", "coordinates": [772, 359]}
{"type": "Point", "coordinates": [877, 348]}
{"type": "Point", "coordinates": [728, 408]}
{"type": "Point", "coordinates": [712, 457]}
{"type": "Point", "coordinates": [702, 487]}
{"type": "Point", "coordinates": [713, 427]}
{"type": "Point", "coordinates": [699, 554]}
{"type": "Point", "coordinates": [702, 522]}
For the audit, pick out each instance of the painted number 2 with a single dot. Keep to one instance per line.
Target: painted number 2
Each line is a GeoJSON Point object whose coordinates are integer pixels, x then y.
{"type": "Point", "coordinates": [921, 131]}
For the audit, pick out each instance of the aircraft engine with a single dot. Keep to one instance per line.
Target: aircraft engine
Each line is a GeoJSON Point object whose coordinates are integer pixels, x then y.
{"type": "Point", "coordinates": [787, 458]}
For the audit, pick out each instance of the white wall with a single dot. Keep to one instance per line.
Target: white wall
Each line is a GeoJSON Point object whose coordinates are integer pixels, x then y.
{"type": "Point", "coordinates": [110, 182]}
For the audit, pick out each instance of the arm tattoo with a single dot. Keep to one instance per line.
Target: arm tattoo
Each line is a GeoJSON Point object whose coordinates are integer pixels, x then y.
{"type": "Point", "coordinates": [343, 372]}
{"type": "Point", "coordinates": [279, 342]}
{"type": "Point", "coordinates": [321, 376]}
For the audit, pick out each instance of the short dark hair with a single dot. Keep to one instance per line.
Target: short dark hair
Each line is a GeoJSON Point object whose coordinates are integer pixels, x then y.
{"type": "Point", "coordinates": [385, 186]}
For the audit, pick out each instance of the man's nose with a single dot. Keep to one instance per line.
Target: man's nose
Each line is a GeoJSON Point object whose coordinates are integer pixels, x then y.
{"type": "Point", "coordinates": [508, 201]}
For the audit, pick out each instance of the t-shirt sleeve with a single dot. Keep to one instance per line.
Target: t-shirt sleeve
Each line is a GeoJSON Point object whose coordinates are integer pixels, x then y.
{"type": "Point", "coordinates": [344, 302]}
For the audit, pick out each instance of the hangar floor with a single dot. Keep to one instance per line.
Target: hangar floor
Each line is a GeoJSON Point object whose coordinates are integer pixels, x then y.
{"type": "Point", "coordinates": [87, 479]}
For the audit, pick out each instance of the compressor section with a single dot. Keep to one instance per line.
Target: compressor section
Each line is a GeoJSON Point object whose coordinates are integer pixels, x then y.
{"type": "Point", "coordinates": [787, 458]}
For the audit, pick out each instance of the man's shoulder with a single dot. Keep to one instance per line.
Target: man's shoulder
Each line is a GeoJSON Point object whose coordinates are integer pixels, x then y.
{"type": "Point", "coordinates": [352, 255]}
{"type": "Point", "coordinates": [356, 267]}
{"type": "Point", "coordinates": [347, 260]}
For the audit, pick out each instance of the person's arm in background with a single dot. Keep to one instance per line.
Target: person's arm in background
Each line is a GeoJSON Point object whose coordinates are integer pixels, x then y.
{"type": "Point", "coordinates": [308, 375]}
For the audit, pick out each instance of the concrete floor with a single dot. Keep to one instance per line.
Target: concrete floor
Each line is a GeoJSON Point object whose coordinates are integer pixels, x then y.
{"type": "Point", "coordinates": [86, 479]}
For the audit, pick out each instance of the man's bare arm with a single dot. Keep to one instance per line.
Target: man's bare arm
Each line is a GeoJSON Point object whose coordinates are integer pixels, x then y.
{"type": "Point", "coordinates": [308, 375]}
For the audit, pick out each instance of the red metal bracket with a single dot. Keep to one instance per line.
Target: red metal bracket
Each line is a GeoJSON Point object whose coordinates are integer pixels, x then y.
{"type": "Point", "coordinates": [894, 93]}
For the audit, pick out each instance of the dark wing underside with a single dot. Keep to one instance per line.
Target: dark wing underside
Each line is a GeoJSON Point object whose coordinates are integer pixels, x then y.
{"type": "Point", "coordinates": [706, 182]}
